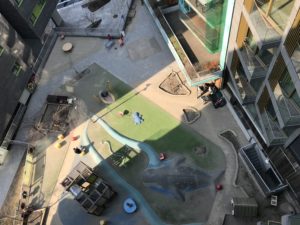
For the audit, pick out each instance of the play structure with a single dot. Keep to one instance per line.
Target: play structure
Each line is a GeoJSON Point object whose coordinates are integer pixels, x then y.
{"type": "Point", "coordinates": [88, 189]}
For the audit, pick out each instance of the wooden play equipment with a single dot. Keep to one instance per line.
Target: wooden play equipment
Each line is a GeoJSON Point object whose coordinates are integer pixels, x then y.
{"type": "Point", "coordinates": [88, 189]}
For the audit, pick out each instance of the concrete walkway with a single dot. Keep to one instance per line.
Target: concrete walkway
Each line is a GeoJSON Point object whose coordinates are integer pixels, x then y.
{"type": "Point", "coordinates": [139, 146]}
{"type": "Point", "coordinates": [114, 177]}
{"type": "Point", "coordinates": [144, 61]}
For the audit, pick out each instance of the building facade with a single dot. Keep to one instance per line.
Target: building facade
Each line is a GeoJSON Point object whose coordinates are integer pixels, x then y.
{"type": "Point", "coordinates": [206, 20]}
{"type": "Point", "coordinates": [22, 25]}
{"type": "Point", "coordinates": [262, 69]}
{"type": "Point", "coordinates": [15, 59]}
{"type": "Point", "coordinates": [29, 18]}
{"type": "Point", "coordinates": [195, 31]}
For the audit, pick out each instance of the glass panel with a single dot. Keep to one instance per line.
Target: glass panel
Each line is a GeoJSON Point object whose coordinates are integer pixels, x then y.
{"type": "Point", "coordinates": [296, 59]}
{"type": "Point", "coordinates": [296, 98]}
{"type": "Point", "coordinates": [276, 10]}
{"type": "Point", "coordinates": [270, 110]}
{"type": "Point", "coordinates": [250, 41]}
{"type": "Point", "coordinates": [279, 11]}
{"type": "Point", "coordinates": [37, 11]}
{"type": "Point", "coordinates": [16, 69]}
{"type": "Point", "coordinates": [286, 84]}
{"type": "Point", "coordinates": [266, 55]}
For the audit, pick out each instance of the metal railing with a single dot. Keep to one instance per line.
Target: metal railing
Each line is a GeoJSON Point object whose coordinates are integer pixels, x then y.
{"type": "Point", "coordinates": [44, 53]}
{"type": "Point", "coordinates": [255, 65]}
{"type": "Point", "coordinates": [88, 32]}
{"type": "Point", "coordinates": [296, 60]}
{"type": "Point", "coordinates": [277, 12]}
{"type": "Point", "coordinates": [66, 3]}
{"type": "Point", "coordinates": [176, 44]}
{"type": "Point", "coordinates": [289, 112]}
{"type": "Point", "coordinates": [211, 42]}
{"type": "Point", "coordinates": [209, 11]}
{"type": "Point", "coordinates": [246, 91]}
{"type": "Point", "coordinates": [274, 133]}
{"type": "Point", "coordinates": [258, 177]}
{"type": "Point", "coordinates": [255, 173]}
{"type": "Point", "coordinates": [268, 35]}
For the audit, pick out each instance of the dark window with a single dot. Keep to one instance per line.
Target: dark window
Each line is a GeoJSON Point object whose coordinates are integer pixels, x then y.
{"type": "Point", "coordinates": [295, 149]}
{"type": "Point", "coordinates": [37, 11]}
{"type": "Point", "coordinates": [16, 69]}
{"type": "Point", "coordinates": [1, 50]}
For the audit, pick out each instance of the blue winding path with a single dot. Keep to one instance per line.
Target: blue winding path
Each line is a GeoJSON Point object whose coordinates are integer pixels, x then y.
{"type": "Point", "coordinates": [141, 202]}
{"type": "Point", "coordinates": [147, 211]}
{"type": "Point", "coordinates": [138, 146]}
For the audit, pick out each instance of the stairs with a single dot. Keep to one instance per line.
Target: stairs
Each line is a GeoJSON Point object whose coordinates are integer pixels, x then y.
{"type": "Point", "coordinates": [254, 158]}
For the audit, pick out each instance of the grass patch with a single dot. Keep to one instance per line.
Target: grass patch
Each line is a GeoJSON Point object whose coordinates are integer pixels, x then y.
{"type": "Point", "coordinates": [159, 129]}
{"type": "Point", "coordinates": [165, 134]}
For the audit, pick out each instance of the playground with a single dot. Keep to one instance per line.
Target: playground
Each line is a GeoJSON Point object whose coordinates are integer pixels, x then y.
{"type": "Point", "coordinates": [180, 182]}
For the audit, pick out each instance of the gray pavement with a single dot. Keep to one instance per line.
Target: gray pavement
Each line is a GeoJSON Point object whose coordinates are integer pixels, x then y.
{"type": "Point", "coordinates": [144, 59]}
{"type": "Point", "coordinates": [84, 17]}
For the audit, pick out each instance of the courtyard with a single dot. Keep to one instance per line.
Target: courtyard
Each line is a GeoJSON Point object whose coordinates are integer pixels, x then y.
{"type": "Point", "coordinates": [134, 73]}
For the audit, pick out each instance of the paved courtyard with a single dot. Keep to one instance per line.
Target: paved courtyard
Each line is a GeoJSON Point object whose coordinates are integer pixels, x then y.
{"type": "Point", "coordinates": [142, 63]}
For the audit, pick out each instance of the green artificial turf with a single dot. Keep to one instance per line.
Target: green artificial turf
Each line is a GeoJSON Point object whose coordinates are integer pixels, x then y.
{"type": "Point", "coordinates": [159, 129]}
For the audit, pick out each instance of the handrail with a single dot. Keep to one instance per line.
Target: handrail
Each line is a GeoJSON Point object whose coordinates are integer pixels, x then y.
{"type": "Point", "coordinates": [255, 55]}
{"type": "Point", "coordinates": [268, 31]}
{"type": "Point", "coordinates": [272, 128]}
{"type": "Point", "coordinates": [253, 167]}
{"type": "Point", "coordinates": [186, 61]}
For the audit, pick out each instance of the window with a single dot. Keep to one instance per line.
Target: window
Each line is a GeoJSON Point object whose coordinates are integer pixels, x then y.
{"type": "Point", "coordinates": [37, 11]}
{"type": "Point", "coordinates": [16, 69]}
{"type": "Point", "coordinates": [296, 98]}
{"type": "Point", "coordinates": [1, 50]}
{"type": "Point", "coordinates": [250, 41]}
{"type": "Point", "coordinates": [288, 88]}
{"type": "Point", "coordinates": [286, 83]}
{"type": "Point", "coordinates": [270, 110]}
{"type": "Point", "coordinates": [276, 12]}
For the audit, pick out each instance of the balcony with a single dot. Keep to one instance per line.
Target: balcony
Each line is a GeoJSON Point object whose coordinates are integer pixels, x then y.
{"type": "Point", "coordinates": [208, 36]}
{"type": "Point", "coordinates": [200, 64]}
{"type": "Point", "coordinates": [177, 46]}
{"type": "Point", "coordinates": [256, 83]}
{"type": "Point", "coordinates": [279, 11]}
{"type": "Point", "coordinates": [272, 129]}
{"type": "Point", "coordinates": [289, 112]}
{"type": "Point", "coordinates": [246, 91]}
{"type": "Point", "coordinates": [252, 63]}
{"type": "Point", "coordinates": [296, 60]}
{"type": "Point", "coordinates": [261, 169]}
{"type": "Point", "coordinates": [211, 11]}
{"type": "Point", "coordinates": [268, 36]}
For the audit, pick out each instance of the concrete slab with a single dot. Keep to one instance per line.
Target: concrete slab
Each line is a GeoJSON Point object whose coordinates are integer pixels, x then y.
{"type": "Point", "coordinates": [84, 17]}
{"type": "Point", "coordinates": [142, 49]}
{"type": "Point", "coordinates": [8, 170]}
{"type": "Point", "coordinates": [141, 70]}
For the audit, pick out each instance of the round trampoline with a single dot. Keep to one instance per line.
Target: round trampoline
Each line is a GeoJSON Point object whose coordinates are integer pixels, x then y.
{"type": "Point", "coordinates": [129, 205]}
